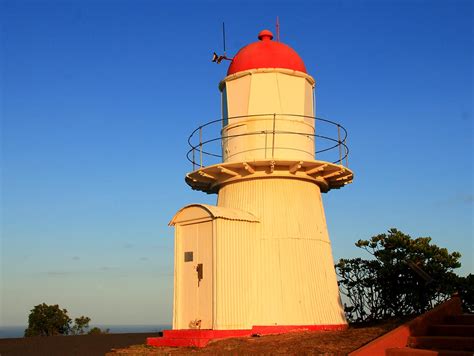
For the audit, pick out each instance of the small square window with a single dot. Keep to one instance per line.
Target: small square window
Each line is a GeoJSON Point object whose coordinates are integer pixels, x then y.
{"type": "Point", "coordinates": [188, 256]}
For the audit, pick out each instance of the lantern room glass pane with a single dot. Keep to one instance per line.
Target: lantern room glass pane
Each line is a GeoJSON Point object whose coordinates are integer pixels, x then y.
{"type": "Point", "coordinates": [225, 112]}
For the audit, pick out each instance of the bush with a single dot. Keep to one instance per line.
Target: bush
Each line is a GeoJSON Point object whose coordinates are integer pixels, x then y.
{"type": "Point", "coordinates": [98, 331]}
{"type": "Point", "coordinates": [80, 325]}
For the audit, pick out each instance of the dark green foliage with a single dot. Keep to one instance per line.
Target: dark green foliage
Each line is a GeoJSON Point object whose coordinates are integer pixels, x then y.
{"type": "Point", "coordinates": [405, 276]}
{"type": "Point", "coordinates": [359, 283]}
{"type": "Point", "coordinates": [48, 320]}
{"type": "Point", "coordinates": [466, 290]}
{"type": "Point", "coordinates": [80, 325]}
{"type": "Point", "coordinates": [97, 331]}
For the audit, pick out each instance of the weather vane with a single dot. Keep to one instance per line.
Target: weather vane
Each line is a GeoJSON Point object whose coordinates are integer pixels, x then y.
{"type": "Point", "coordinates": [215, 57]}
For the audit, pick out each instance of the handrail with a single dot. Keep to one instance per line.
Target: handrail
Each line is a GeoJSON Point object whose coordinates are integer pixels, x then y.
{"type": "Point", "coordinates": [338, 143]}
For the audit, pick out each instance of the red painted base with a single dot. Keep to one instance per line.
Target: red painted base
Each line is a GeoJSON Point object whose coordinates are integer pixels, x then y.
{"type": "Point", "coordinates": [200, 338]}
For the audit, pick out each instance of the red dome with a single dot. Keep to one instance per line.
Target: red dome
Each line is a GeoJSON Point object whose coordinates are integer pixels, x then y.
{"type": "Point", "coordinates": [266, 54]}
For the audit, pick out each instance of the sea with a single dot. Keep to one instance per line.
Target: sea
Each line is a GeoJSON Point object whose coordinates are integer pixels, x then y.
{"type": "Point", "coordinates": [18, 331]}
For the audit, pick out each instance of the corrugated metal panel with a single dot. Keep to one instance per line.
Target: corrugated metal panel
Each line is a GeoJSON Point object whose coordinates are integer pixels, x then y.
{"type": "Point", "coordinates": [287, 208]}
{"type": "Point", "coordinates": [235, 275]}
{"type": "Point", "coordinates": [294, 281]}
{"type": "Point", "coordinates": [216, 212]}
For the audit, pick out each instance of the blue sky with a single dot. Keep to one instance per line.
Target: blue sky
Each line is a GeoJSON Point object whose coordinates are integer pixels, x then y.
{"type": "Point", "coordinates": [98, 99]}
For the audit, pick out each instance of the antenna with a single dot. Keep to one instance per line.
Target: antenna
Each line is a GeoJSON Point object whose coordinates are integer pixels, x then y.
{"type": "Point", "coordinates": [278, 29]}
{"type": "Point", "coordinates": [223, 35]}
{"type": "Point", "coordinates": [215, 57]}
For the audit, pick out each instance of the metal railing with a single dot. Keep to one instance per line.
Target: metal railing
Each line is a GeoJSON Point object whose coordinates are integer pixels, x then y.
{"type": "Point", "coordinates": [203, 148]}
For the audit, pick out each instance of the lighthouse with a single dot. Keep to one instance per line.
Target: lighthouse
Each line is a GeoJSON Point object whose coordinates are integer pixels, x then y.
{"type": "Point", "coordinates": [260, 260]}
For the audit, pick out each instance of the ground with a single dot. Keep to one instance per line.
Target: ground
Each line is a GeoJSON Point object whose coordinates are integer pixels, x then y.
{"type": "Point", "coordinates": [301, 343]}
{"type": "Point", "coordinates": [87, 345]}
{"type": "Point", "coordinates": [321, 343]}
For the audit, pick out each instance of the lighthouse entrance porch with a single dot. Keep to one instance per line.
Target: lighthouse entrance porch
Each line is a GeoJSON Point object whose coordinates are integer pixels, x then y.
{"type": "Point", "coordinates": [212, 283]}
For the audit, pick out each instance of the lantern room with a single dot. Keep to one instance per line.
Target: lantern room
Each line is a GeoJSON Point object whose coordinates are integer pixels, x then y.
{"type": "Point", "coordinates": [267, 88]}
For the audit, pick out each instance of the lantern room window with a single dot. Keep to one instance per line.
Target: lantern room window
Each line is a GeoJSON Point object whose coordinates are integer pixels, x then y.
{"type": "Point", "coordinates": [225, 112]}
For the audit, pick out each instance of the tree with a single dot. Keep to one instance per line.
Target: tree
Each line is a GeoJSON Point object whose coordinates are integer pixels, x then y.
{"type": "Point", "coordinates": [404, 277]}
{"type": "Point", "coordinates": [359, 283]}
{"type": "Point", "coordinates": [465, 287]}
{"type": "Point", "coordinates": [80, 325]}
{"type": "Point", "coordinates": [48, 320]}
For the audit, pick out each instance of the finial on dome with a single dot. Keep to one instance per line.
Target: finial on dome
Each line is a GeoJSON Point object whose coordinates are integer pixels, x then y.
{"type": "Point", "coordinates": [265, 35]}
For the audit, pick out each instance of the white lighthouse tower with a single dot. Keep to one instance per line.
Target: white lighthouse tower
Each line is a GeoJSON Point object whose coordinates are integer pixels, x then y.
{"type": "Point", "coordinates": [260, 261]}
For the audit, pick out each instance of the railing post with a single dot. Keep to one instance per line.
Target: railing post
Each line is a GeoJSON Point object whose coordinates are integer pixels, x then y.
{"type": "Point", "coordinates": [339, 142]}
{"type": "Point", "coordinates": [314, 134]}
{"type": "Point", "coordinates": [273, 139]}
{"type": "Point", "coordinates": [200, 146]}
{"type": "Point", "coordinates": [347, 154]}
{"type": "Point", "coordinates": [266, 144]}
